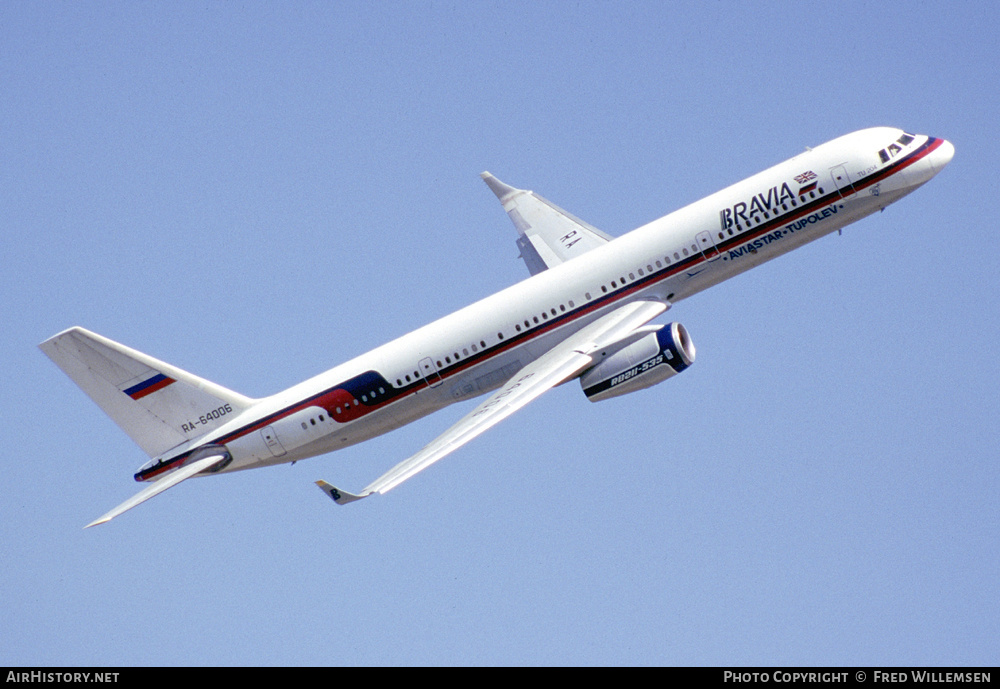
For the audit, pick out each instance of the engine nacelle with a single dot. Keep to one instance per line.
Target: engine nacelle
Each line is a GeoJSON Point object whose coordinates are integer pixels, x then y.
{"type": "Point", "coordinates": [642, 364]}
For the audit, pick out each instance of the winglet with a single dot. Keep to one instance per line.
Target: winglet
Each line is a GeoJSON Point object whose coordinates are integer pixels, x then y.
{"type": "Point", "coordinates": [341, 497]}
{"type": "Point", "coordinates": [497, 187]}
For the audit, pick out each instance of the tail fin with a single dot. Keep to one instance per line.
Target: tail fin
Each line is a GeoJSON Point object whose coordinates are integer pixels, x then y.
{"type": "Point", "coordinates": [158, 405]}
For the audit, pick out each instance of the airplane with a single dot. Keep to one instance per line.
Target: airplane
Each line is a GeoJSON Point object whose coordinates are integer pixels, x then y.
{"type": "Point", "coordinates": [584, 313]}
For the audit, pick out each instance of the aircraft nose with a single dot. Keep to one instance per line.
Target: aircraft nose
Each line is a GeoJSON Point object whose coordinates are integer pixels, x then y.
{"type": "Point", "coordinates": [930, 164]}
{"type": "Point", "coordinates": [942, 155]}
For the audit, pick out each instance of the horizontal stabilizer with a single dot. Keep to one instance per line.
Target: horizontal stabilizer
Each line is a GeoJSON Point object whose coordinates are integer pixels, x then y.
{"type": "Point", "coordinates": [168, 481]}
{"type": "Point", "coordinates": [548, 235]}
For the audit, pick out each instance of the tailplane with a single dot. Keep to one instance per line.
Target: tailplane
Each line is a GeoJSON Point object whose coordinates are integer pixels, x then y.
{"type": "Point", "coordinates": [158, 405]}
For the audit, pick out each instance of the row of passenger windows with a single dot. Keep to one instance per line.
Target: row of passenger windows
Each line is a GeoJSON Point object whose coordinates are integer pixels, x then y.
{"type": "Point", "coordinates": [544, 316]}
{"type": "Point", "coordinates": [767, 216]}
{"type": "Point", "coordinates": [322, 417]}
{"type": "Point", "coordinates": [369, 397]}
{"type": "Point", "coordinates": [440, 364]}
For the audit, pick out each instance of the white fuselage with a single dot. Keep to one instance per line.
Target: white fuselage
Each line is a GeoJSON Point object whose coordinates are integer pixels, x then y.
{"type": "Point", "coordinates": [478, 348]}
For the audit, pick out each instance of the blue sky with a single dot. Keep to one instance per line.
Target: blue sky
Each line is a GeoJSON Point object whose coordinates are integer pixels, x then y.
{"type": "Point", "coordinates": [256, 192]}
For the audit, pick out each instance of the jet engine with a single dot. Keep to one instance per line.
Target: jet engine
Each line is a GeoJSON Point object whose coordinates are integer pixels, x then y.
{"type": "Point", "coordinates": [644, 363]}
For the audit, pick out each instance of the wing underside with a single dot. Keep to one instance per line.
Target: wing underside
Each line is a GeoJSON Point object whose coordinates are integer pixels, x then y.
{"type": "Point", "coordinates": [547, 235]}
{"type": "Point", "coordinates": [563, 362]}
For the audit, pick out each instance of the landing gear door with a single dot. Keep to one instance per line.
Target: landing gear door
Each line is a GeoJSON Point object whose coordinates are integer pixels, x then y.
{"type": "Point", "coordinates": [842, 181]}
{"type": "Point", "coordinates": [429, 372]}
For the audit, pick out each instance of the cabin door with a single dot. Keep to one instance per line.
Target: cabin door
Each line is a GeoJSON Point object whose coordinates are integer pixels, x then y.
{"type": "Point", "coordinates": [842, 181]}
{"type": "Point", "coordinates": [272, 442]}
{"type": "Point", "coordinates": [429, 372]}
{"type": "Point", "coordinates": [707, 245]}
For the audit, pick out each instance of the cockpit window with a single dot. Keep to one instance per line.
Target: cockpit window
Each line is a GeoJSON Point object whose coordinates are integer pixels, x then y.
{"type": "Point", "coordinates": [894, 149]}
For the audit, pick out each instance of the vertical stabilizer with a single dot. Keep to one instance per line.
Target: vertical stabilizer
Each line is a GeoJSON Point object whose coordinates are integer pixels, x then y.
{"type": "Point", "coordinates": [158, 405]}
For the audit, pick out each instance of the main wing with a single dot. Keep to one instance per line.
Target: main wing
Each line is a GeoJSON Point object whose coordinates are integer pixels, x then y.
{"type": "Point", "coordinates": [564, 361]}
{"type": "Point", "coordinates": [548, 234]}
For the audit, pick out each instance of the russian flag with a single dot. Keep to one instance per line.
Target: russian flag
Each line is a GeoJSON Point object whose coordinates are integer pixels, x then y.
{"type": "Point", "coordinates": [149, 386]}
